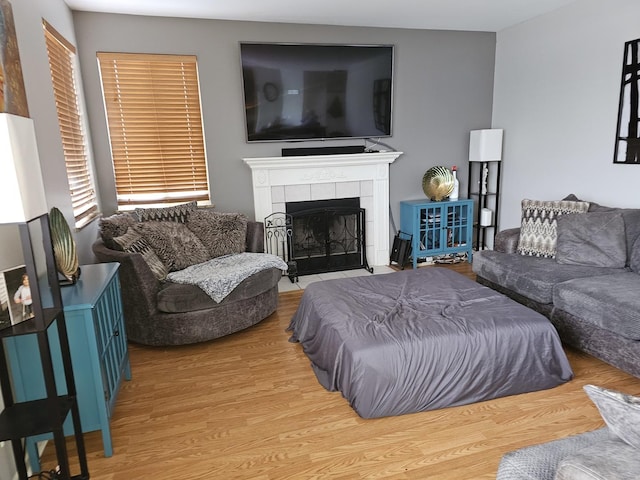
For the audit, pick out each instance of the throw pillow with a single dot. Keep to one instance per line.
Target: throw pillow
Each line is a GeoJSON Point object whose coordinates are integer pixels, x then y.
{"type": "Point", "coordinates": [595, 239]}
{"type": "Point", "coordinates": [539, 221]}
{"type": "Point", "coordinates": [221, 233]}
{"type": "Point", "coordinates": [620, 412]}
{"type": "Point", "coordinates": [175, 213]}
{"type": "Point", "coordinates": [133, 242]}
{"type": "Point", "coordinates": [176, 245]}
{"type": "Point", "coordinates": [114, 226]}
{"type": "Point", "coordinates": [593, 206]}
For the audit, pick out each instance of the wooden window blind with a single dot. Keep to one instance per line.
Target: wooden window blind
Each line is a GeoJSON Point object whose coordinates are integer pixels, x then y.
{"type": "Point", "coordinates": [61, 62]}
{"type": "Point", "coordinates": [155, 127]}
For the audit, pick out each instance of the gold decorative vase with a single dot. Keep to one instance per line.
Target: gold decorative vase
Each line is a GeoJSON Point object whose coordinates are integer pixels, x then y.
{"type": "Point", "coordinates": [437, 183]}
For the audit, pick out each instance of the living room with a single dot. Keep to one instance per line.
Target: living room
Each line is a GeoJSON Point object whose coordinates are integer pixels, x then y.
{"type": "Point", "coordinates": [552, 83]}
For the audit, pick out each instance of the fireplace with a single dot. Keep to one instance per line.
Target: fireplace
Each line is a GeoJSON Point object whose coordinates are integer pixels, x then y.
{"type": "Point", "coordinates": [327, 235]}
{"type": "Point", "coordinates": [280, 180]}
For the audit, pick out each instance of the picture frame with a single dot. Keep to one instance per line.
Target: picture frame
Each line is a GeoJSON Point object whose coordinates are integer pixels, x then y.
{"type": "Point", "coordinates": [15, 305]}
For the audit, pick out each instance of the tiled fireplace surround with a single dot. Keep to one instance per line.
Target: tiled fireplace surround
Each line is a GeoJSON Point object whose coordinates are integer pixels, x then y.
{"type": "Point", "coordinates": [277, 180]}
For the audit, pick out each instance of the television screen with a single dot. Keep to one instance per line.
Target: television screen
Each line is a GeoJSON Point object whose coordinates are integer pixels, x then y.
{"type": "Point", "coordinates": [307, 91]}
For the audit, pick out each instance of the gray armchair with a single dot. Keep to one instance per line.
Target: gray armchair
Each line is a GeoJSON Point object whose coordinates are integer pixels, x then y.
{"type": "Point", "coordinates": [163, 313]}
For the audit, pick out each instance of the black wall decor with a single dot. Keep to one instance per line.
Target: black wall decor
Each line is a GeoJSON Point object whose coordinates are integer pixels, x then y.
{"type": "Point", "coordinates": [627, 148]}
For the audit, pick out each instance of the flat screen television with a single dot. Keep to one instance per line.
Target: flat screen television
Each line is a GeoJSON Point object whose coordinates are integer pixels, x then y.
{"type": "Point", "coordinates": [316, 91]}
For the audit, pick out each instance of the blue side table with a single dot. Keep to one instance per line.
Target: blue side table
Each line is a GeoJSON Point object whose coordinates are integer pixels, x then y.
{"type": "Point", "coordinates": [438, 228]}
{"type": "Point", "coordinates": [99, 355]}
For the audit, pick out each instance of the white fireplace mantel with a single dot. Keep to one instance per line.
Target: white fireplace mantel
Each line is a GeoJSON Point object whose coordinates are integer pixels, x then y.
{"type": "Point", "coordinates": [317, 177]}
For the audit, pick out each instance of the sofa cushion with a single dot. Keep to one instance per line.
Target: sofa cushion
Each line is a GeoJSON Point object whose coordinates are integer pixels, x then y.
{"type": "Point", "coordinates": [134, 242]}
{"type": "Point", "coordinates": [540, 462]}
{"type": "Point", "coordinates": [176, 245]}
{"type": "Point", "coordinates": [609, 301]}
{"type": "Point", "coordinates": [631, 218]}
{"type": "Point", "coordinates": [621, 413]}
{"type": "Point", "coordinates": [538, 227]}
{"type": "Point", "coordinates": [178, 298]}
{"type": "Point", "coordinates": [175, 213]}
{"type": "Point", "coordinates": [220, 233]}
{"type": "Point", "coordinates": [607, 460]}
{"type": "Point", "coordinates": [531, 277]}
{"type": "Point", "coordinates": [634, 257]}
{"type": "Point", "coordinates": [596, 239]}
{"type": "Point", "coordinates": [632, 227]}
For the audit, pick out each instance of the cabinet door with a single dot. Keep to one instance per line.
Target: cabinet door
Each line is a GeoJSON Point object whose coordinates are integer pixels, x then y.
{"type": "Point", "coordinates": [457, 224]}
{"type": "Point", "coordinates": [111, 340]}
{"type": "Point", "coordinates": [431, 225]}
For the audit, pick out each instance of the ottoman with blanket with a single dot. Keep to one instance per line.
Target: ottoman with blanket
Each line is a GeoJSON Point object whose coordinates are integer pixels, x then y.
{"type": "Point", "coordinates": [189, 274]}
{"type": "Point", "coordinates": [424, 339]}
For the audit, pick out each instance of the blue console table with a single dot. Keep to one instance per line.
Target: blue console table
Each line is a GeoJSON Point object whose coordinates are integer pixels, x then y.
{"type": "Point", "coordinates": [99, 355]}
{"type": "Point", "coordinates": [437, 228]}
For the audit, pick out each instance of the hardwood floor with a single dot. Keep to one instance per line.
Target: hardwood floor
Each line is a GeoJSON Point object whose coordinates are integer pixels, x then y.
{"type": "Point", "coordinates": [247, 406]}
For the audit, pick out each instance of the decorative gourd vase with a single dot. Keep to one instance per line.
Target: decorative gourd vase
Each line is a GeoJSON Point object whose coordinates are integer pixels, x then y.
{"type": "Point", "coordinates": [437, 183]}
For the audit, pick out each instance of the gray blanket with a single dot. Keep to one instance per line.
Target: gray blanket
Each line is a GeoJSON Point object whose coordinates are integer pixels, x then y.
{"type": "Point", "coordinates": [219, 276]}
{"type": "Point", "coordinates": [424, 339]}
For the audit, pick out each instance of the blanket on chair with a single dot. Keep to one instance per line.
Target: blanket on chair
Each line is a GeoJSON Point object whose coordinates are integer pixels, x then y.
{"type": "Point", "coordinates": [219, 276]}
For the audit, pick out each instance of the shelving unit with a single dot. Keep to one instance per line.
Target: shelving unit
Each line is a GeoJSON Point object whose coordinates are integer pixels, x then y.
{"type": "Point", "coordinates": [22, 419]}
{"type": "Point", "coordinates": [484, 188]}
{"type": "Point", "coordinates": [437, 228]}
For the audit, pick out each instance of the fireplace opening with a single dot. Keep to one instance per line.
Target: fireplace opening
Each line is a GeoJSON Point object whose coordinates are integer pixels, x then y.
{"type": "Point", "coordinates": [327, 235]}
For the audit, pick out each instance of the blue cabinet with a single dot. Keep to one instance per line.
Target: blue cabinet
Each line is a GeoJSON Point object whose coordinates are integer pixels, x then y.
{"type": "Point", "coordinates": [438, 228]}
{"type": "Point", "coordinates": [99, 356]}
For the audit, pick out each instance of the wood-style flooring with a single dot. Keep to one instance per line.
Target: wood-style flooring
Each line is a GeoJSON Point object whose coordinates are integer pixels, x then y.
{"type": "Point", "coordinates": [247, 406]}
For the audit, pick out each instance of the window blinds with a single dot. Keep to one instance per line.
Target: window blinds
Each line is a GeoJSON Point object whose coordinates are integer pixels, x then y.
{"type": "Point", "coordinates": [155, 127]}
{"type": "Point", "coordinates": [61, 62]}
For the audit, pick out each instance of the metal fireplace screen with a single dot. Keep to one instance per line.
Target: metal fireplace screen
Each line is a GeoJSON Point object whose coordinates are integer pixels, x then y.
{"type": "Point", "coordinates": [325, 238]}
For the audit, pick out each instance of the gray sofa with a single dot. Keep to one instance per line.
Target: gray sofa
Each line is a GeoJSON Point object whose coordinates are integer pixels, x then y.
{"type": "Point", "coordinates": [609, 453]}
{"type": "Point", "coordinates": [161, 313]}
{"type": "Point", "coordinates": [590, 292]}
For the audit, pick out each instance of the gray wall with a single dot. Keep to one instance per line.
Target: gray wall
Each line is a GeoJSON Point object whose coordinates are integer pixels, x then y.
{"type": "Point", "coordinates": [443, 89]}
{"type": "Point", "coordinates": [28, 16]}
{"type": "Point", "coordinates": [556, 95]}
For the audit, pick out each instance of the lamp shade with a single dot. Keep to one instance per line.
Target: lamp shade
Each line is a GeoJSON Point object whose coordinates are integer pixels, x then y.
{"type": "Point", "coordinates": [485, 145]}
{"type": "Point", "coordinates": [21, 188]}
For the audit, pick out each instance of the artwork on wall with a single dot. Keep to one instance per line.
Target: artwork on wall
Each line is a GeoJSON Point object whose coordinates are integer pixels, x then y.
{"type": "Point", "coordinates": [13, 98]}
{"type": "Point", "coordinates": [627, 149]}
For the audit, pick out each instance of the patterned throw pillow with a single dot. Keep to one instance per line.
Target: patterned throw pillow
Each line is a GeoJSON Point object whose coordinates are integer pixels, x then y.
{"type": "Point", "coordinates": [176, 245]}
{"type": "Point", "coordinates": [620, 412]}
{"type": "Point", "coordinates": [538, 231]}
{"type": "Point", "coordinates": [176, 213]}
{"type": "Point", "coordinates": [114, 226]}
{"type": "Point", "coordinates": [221, 233]}
{"type": "Point", "coordinates": [133, 242]}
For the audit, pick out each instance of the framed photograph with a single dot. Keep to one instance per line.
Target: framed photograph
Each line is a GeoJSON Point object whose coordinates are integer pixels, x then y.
{"type": "Point", "coordinates": [15, 297]}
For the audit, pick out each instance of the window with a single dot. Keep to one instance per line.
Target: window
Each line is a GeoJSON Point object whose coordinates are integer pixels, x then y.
{"type": "Point", "coordinates": [62, 56]}
{"type": "Point", "coordinates": [155, 128]}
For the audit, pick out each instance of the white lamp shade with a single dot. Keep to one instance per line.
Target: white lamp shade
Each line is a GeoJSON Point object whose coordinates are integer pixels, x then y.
{"type": "Point", "coordinates": [21, 188]}
{"type": "Point", "coordinates": [485, 145]}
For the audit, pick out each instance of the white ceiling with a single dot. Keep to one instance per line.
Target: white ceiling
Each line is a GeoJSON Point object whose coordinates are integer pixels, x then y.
{"type": "Point", "coordinates": [475, 15]}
